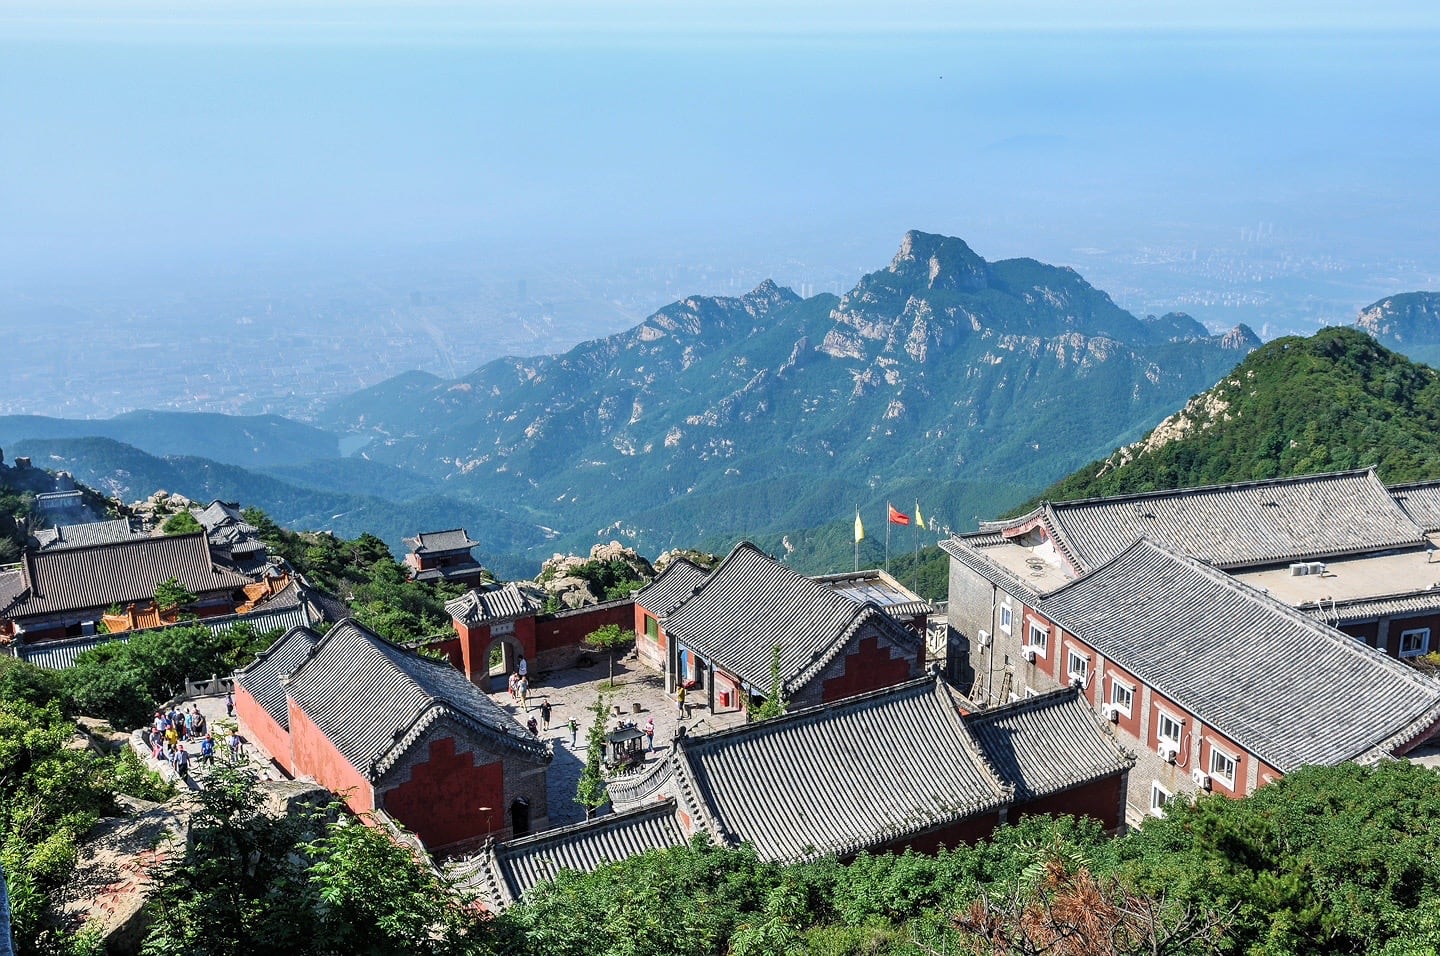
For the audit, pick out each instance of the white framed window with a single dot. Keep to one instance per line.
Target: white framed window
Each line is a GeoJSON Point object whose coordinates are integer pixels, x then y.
{"type": "Point", "coordinates": [1159, 796]}
{"type": "Point", "coordinates": [1223, 766]}
{"type": "Point", "coordinates": [1006, 613]}
{"type": "Point", "coordinates": [1122, 696]}
{"type": "Point", "coordinates": [1169, 729]}
{"type": "Point", "coordinates": [1077, 666]}
{"type": "Point", "coordinates": [1415, 643]}
{"type": "Point", "coordinates": [1040, 638]}
{"type": "Point", "coordinates": [1031, 692]}
{"type": "Point", "coordinates": [1014, 697]}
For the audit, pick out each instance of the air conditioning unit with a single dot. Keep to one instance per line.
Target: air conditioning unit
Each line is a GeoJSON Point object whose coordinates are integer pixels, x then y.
{"type": "Point", "coordinates": [1317, 567]}
{"type": "Point", "coordinates": [983, 638]}
{"type": "Point", "coordinates": [1201, 778]}
{"type": "Point", "coordinates": [1029, 653]}
{"type": "Point", "coordinates": [1299, 569]}
{"type": "Point", "coordinates": [1168, 751]}
{"type": "Point", "coordinates": [1111, 712]}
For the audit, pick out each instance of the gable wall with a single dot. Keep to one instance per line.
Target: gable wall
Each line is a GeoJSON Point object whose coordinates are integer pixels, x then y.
{"type": "Point", "coordinates": [316, 756]}
{"type": "Point", "coordinates": [870, 661]}
{"type": "Point", "coordinates": [258, 722]}
{"type": "Point", "coordinates": [438, 789]}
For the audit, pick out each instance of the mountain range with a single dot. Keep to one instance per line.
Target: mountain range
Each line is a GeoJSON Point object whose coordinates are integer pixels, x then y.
{"type": "Point", "coordinates": [942, 377]}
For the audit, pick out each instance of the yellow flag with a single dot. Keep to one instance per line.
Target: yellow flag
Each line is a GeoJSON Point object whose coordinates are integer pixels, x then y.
{"type": "Point", "coordinates": [859, 528]}
{"type": "Point", "coordinates": [919, 521]}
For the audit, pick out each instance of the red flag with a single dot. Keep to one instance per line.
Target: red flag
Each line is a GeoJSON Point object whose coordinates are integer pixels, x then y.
{"type": "Point", "coordinates": [897, 517]}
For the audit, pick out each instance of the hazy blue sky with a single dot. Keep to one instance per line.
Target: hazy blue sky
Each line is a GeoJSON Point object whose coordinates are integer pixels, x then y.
{"type": "Point", "coordinates": [143, 136]}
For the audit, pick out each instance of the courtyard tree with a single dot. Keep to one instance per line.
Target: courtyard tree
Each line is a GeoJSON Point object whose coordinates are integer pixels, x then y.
{"type": "Point", "coordinates": [182, 522]}
{"type": "Point", "coordinates": [608, 638]}
{"type": "Point", "coordinates": [590, 791]}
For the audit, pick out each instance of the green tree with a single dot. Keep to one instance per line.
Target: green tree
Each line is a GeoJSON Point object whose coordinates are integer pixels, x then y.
{"type": "Point", "coordinates": [240, 887]}
{"type": "Point", "coordinates": [171, 594]}
{"type": "Point", "coordinates": [608, 638]}
{"type": "Point", "coordinates": [590, 791]}
{"type": "Point", "coordinates": [775, 704]}
{"type": "Point", "coordinates": [376, 899]}
{"type": "Point", "coordinates": [182, 522]}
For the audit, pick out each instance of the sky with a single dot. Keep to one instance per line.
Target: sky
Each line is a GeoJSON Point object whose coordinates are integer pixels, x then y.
{"type": "Point", "coordinates": [147, 139]}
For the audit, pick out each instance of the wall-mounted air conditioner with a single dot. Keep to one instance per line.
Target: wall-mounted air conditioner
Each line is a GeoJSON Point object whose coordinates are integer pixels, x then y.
{"type": "Point", "coordinates": [1111, 712]}
{"type": "Point", "coordinates": [1168, 751]}
{"type": "Point", "coordinates": [1201, 778]}
{"type": "Point", "coordinates": [983, 638]}
{"type": "Point", "coordinates": [1029, 652]}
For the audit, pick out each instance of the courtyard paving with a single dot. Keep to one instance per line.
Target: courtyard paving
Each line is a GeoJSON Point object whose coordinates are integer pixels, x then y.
{"type": "Point", "coordinates": [638, 693]}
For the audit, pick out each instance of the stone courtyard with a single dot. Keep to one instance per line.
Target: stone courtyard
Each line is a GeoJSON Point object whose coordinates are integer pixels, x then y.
{"type": "Point", "coordinates": [638, 693]}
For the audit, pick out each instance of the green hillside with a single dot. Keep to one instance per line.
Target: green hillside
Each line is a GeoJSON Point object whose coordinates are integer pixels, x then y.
{"type": "Point", "coordinates": [1334, 401]}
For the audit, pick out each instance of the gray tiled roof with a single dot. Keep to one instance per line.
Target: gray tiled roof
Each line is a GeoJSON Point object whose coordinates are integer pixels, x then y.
{"type": "Point", "coordinates": [226, 527]}
{"type": "Point", "coordinates": [373, 700]}
{"type": "Point", "coordinates": [1237, 525]}
{"type": "Point", "coordinates": [263, 677]}
{"type": "Point", "coordinates": [843, 777]}
{"type": "Point", "coordinates": [460, 569]}
{"type": "Point", "coordinates": [432, 541]}
{"type": "Point", "coordinates": [83, 535]}
{"type": "Point", "coordinates": [496, 602]}
{"type": "Point", "coordinates": [1285, 687]}
{"type": "Point", "coordinates": [1339, 613]}
{"type": "Point", "coordinates": [505, 872]}
{"type": "Point", "coordinates": [1421, 501]}
{"type": "Point", "coordinates": [671, 588]}
{"type": "Point", "coordinates": [1046, 744]}
{"type": "Point", "coordinates": [73, 579]}
{"type": "Point", "coordinates": [750, 603]}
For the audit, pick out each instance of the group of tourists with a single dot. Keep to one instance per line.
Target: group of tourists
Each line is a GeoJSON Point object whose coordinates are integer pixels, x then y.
{"type": "Point", "coordinates": [172, 733]}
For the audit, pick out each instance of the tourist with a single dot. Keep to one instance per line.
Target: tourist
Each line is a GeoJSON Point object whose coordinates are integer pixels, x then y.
{"type": "Point", "coordinates": [207, 750]}
{"type": "Point", "coordinates": [650, 732]}
{"type": "Point", "coordinates": [524, 668]}
{"type": "Point", "coordinates": [680, 702]}
{"type": "Point", "coordinates": [237, 746]}
{"type": "Point", "coordinates": [545, 714]}
{"type": "Point", "coordinates": [533, 727]}
{"type": "Point", "coordinates": [524, 688]}
{"type": "Point", "coordinates": [574, 726]}
{"type": "Point", "coordinates": [230, 703]}
{"type": "Point", "coordinates": [515, 686]}
{"type": "Point", "coordinates": [182, 763]}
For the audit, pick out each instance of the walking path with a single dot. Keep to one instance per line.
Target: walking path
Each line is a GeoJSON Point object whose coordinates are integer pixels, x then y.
{"type": "Point", "coordinates": [252, 755]}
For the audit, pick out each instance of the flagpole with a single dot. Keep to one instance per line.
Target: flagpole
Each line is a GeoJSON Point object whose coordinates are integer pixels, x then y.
{"type": "Point", "coordinates": [915, 568]}
{"type": "Point", "coordinates": [858, 532]}
{"type": "Point", "coordinates": [888, 508]}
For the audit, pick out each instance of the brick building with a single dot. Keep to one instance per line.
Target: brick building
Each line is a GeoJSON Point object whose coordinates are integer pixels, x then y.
{"type": "Point", "coordinates": [387, 729]}
{"type": "Point", "coordinates": [720, 640]}
{"type": "Point", "coordinates": [444, 556]}
{"type": "Point", "coordinates": [1217, 683]}
{"type": "Point", "coordinates": [496, 625]}
{"type": "Point", "coordinates": [64, 592]}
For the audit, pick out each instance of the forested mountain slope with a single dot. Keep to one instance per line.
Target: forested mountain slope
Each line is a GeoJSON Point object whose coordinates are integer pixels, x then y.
{"type": "Point", "coordinates": [1336, 400]}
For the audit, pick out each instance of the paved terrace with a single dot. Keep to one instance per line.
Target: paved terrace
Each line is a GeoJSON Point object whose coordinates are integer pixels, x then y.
{"type": "Point", "coordinates": [213, 708]}
{"type": "Point", "coordinates": [638, 693]}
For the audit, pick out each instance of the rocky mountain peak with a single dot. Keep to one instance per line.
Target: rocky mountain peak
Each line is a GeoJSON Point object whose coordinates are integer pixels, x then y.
{"type": "Point", "coordinates": [1409, 318]}
{"type": "Point", "coordinates": [939, 262]}
{"type": "Point", "coordinates": [1240, 339]}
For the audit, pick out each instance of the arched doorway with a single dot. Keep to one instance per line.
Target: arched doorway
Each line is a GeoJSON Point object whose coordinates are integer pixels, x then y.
{"type": "Point", "coordinates": [501, 658]}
